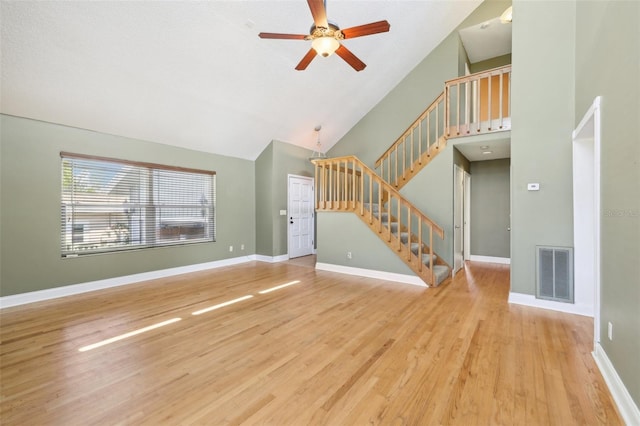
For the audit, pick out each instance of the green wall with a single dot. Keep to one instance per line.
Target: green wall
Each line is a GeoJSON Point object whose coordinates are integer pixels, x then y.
{"type": "Point", "coordinates": [608, 65]}
{"type": "Point", "coordinates": [265, 208]}
{"type": "Point", "coordinates": [274, 164]}
{"type": "Point", "coordinates": [431, 191]}
{"type": "Point", "coordinates": [367, 249]}
{"type": "Point", "coordinates": [30, 206]}
{"type": "Point", "coordinates": [381, 126]}
{"type": "Point", "coordinates": [498, 61]}
{"type": "Point", "coordinates": [542, 121]}
{"type": "Point", "coordinates": [490, 208]}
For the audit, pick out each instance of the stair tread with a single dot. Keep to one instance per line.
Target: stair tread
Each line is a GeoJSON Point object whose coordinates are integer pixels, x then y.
{"type": "Point", "coordinates": [441, 272]}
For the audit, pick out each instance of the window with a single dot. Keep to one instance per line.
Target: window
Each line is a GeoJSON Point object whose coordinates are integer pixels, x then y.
{"type": "Point", "coordinates": [111, 205]}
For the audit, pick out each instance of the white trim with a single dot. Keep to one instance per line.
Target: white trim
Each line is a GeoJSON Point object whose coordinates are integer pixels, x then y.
{"type": "Point", "coordinates": [458, 233]}
{"type": "Point", "coordinates": [370, 273]}
{"type": "Point", "coordinates": [587, 116]}
{"type": "Point", "coordinates": [531, 300]}
{"type": "Point", "coordinates": [272, 259]}
{"type": "Point", "coordinates": [69, 290]}
{"type": "Point", "coordinates": [490, 259]}
{"type": "Point", "coordinates": [587, 198]}
{"type": "Point", "coordinates": [627, 408]}
{"type": "Point", "coordinates": [467, 217]}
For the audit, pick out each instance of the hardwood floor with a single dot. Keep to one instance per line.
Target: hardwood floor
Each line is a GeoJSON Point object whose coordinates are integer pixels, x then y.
{"type": "Point", "coordinates": [329, 350]}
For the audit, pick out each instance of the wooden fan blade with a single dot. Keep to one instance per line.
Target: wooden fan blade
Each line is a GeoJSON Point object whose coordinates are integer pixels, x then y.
{"type": "Point", "coordinates": [367, 29]}
{"type": "Point", "coordinates": [282, 36]}
{"type": "Point", "coordinates": [350, 58]}
{"type": "Point", "coordinates": [318, 12]}
{"type": "Point", "coordinates": [306, 60]}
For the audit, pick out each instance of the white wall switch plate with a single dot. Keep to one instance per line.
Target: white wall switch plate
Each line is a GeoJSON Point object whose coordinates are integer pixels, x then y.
{"type": "Point", "coordinates": [283, 212]}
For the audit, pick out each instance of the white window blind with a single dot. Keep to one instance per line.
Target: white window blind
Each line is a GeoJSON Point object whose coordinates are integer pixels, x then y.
{"type": "Point", "coordinates": [111, 205]}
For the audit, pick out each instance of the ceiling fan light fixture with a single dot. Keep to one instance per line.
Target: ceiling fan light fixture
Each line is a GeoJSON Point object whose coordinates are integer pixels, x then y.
{"type": "Point", "coordinates": [317, 153]}
{"type": "Point", "coordinates": [325, 46]}
{"type": "Point", "coordinates": [326, 37]}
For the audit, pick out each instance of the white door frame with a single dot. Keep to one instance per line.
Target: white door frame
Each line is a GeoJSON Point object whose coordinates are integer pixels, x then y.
{"type": "Point", "coordinates": [466, 247]}
{"type": "Point", "coordinates": [458, 231]}
{"type": "Point", "coordinates": [586, 213]}
{"type": "Point", "coordinates": [289, 210]}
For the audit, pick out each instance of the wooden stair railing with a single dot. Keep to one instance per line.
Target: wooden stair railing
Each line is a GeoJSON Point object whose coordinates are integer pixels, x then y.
{"type": "Point", "coordinates": [470, 105]}
{"type": "Point", "coordinates": [346, 184]}
{"type": "Point", "coordinates": [479, 103]}
{"type": "Point", "coordinates": [415, 147]}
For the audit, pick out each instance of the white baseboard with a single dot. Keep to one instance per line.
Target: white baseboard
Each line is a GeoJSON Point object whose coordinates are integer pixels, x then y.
{"type": "Point", "coordinates": [69, 290]}
{"type": "Point", "coordinates": [370, 273]}
{"type": "Point", "coordinates": [531, 300]}
{"type": "Point", "coordinates": [272, 259]}
{"type": "Point", "coordinates": [490, 259]}
{"type": "Point", "coordinates": [626, 406]}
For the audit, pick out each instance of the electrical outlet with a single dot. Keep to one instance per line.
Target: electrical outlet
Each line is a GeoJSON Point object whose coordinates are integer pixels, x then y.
{"type": "Point", "coordinates": [349, 256]}
{"type": "Point", "coordinates": [230, 248]}
{"type": "Point", "coordinates": [610, 331]}
{"type": "Point", "coordinates": [241, 246]}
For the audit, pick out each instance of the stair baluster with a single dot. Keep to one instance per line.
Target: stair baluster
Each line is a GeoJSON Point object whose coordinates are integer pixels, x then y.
{"type": "Point", "coordinates": [393, 217]}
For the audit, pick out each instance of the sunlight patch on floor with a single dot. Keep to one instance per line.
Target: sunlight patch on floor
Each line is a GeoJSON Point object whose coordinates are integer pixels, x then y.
{"type": "Point", "coordinates": [222, 305]}
{"type": "Point", "coordinates": [269, 290]}
{"type": "Point", "coordinates": [129, 334]}
{"type": "Point", "coordinates": [171, 321]}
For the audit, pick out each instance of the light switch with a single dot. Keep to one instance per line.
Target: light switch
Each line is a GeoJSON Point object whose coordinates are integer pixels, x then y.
{"type": "Point", "coordinates": [283, 212]}
{"type": "Point", "coordinates": [533, 187]}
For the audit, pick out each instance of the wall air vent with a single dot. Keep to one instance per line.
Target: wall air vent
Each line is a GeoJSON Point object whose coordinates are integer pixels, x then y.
{"type": "Point", "coordinates": [554, 273]}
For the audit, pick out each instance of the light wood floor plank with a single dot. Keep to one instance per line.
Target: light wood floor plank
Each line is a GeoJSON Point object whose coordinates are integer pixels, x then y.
{"type": "Point", "coordinates": [331, 350]}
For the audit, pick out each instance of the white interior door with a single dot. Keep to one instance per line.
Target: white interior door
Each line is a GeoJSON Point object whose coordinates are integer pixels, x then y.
{"type": "Point", "coordinates": [458, 219]}
{"type": "Point", "coordinates": [300, 217]}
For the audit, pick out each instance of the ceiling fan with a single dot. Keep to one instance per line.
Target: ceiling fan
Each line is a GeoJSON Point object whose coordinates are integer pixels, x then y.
{"type": "Point", "coordinates": [325, 37]}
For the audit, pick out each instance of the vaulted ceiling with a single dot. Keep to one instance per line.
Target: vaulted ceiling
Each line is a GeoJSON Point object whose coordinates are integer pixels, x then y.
{"type": "Point", "coordinates": [196, 75]}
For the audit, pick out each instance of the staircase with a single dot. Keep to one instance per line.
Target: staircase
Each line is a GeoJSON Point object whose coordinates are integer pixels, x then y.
{"type": "Point", "coordinates": [417, 146]}
{"type": "Point", "coordinates": [469, 105]}
{"type": "Point", "coordinates": [345, 184]}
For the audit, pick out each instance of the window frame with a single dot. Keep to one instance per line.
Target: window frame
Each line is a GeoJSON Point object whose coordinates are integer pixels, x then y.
{"type": "Point", "coordinates": [154, 171]}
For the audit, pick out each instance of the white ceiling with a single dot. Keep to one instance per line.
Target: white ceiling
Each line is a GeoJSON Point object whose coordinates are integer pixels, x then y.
{"type": "Point", "coordinates": [492, 146]}
{"type": "Point", "coordinates": [196, 75]}
{"type": "Point", "coordinates": [486, 40]}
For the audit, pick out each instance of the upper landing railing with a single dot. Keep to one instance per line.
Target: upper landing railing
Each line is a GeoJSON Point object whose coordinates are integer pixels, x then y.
{"type": "Point", "coordinates": [479, 103]}
{"type": "Point", "coordinates": [470, 105]}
